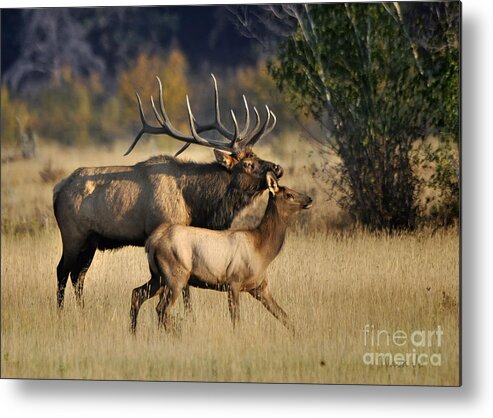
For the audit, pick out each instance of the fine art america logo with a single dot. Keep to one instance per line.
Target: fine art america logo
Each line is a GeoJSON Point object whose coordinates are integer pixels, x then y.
{"type": "Point", "coordinates": [402, 349]}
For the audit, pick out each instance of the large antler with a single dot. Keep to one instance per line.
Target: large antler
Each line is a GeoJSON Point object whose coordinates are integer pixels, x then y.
{"type": "Point", "coordinates": [236, 140]}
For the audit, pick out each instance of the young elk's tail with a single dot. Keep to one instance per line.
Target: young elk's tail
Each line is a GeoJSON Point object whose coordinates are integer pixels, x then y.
{"type": "Point", "coordinates": [151, 252]}
{"type": "Point", "coordinates": [152, 244]}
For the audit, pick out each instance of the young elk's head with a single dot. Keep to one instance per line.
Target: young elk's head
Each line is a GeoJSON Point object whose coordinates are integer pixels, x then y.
{"type": "Point", "coordinates": [248, 169]}
{"type": "Point", "coordinates": [287, 201]}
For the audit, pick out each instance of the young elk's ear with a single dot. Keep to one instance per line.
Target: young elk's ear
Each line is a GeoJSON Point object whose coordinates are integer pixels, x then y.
{"type": "Point", "coordinates": [272, 184]}
{"type": "Point", "coordinates": [225, 159]}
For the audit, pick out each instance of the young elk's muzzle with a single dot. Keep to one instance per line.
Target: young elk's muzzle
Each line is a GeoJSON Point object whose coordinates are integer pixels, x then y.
{"type": "Point", "coordinates": [287, 197]}
{"type": "Point", "coordinates": [296, 200]}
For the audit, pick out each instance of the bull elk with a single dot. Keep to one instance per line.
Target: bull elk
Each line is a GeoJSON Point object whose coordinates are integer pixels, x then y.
{"type": "Point", "coordinates": [112, 207]}
{"type": "Point", "coordinates": [232, 261]}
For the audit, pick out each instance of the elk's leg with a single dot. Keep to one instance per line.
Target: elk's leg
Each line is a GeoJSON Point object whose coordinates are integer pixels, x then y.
{"type": "Point", "coordinates": [79, 271]}
{"type": "Point", "coordinates": [140, 295]}
{"type": "Point", "coordinates": [233, 303]}
{"type": "Point", "coordinates": [263, 294]}
{"type": "Point", "coordinates": [62, 272]}
{"type": "Point", "coordinates": [66, 264]}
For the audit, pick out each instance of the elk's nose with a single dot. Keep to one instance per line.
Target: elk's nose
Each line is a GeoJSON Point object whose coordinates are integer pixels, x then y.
{"type": "Point", "coordinates": [278, 171]}
{"type": "Point", "coordinates": [308, 203]}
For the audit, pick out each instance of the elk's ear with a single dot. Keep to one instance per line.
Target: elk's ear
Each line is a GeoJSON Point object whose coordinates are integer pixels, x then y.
{"type": "Point", "coordinates": [225, 159]}
{"type": "Point", "coordinates": [272, 184]}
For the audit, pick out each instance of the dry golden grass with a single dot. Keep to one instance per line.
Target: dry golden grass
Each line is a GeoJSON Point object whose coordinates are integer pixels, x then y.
{"type": "Point", "coordinates": [331, 285]}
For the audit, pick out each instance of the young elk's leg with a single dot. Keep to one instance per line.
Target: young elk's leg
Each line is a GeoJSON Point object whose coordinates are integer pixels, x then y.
{"type": "Point", "coordinates": [233, 304]}
{"type": "Point", "coordinates": [262, 293]}
{"type": "Point", "coordinates": [140, 295]}
{"type": "Point", "coordinates": [169, 298]}
{"type": "Point", "coordinates": [187, 299]}
{"type": "Point", "coordinates": [175, 278]}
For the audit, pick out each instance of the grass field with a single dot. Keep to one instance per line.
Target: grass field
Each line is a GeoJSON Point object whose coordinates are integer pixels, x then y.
{"type": "Point", "coordinates": [331, 283]}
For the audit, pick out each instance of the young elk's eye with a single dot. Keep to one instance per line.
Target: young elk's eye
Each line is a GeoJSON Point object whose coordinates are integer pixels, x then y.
{"type": "Point", "coordinates": [290, 196]}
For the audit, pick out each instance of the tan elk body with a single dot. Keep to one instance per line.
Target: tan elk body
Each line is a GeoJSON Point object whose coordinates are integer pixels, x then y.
{"type": "Point", "coordinates": [234, 261]}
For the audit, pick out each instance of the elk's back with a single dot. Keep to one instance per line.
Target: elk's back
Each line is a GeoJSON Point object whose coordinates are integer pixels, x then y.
{"type": "Point", "coordinates": [120, 204]}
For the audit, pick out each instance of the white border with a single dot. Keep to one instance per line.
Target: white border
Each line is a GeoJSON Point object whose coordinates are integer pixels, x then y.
{"type": "Point", "coordinates": [125, 399]}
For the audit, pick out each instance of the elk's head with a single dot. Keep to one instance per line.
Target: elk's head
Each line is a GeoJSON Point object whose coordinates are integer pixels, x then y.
{"type": "Point", "coordinates": [234, 152]}
{"type": "Point", "coordinates": [248, 169]}
{"type": "Point", "coordinates": [287, 201]}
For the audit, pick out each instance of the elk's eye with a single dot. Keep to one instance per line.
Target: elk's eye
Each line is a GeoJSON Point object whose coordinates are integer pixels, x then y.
{"type": "Point", "coordinates": [290, 196]}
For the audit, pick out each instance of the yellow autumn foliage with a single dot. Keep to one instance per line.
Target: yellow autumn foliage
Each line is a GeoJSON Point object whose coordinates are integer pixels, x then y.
{"type": "Point", "coordinates": [64, 111]}
{"type": "Point", "coordinates": [172, 70]}
{"type": "Point", "coordinates": [261, 90]}
{"type": "Point", "coordinates": [14, 112]}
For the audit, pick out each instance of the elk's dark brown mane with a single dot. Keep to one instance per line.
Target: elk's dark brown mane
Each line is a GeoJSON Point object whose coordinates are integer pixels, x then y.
{"type": "Point", "coordinates": [212, 193]}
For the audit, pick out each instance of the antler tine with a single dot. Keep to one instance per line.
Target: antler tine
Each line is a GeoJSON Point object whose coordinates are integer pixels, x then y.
{"type": "Point", "coordinates": [247, 118]}
{"type": "Point", "coordinates": [235, 123]}
{"type": "Point", "coordinates": [216, 104]}
{"type": "Point", "coordinates": [144, 126]}
{"type": "Point", "coordinates": [156, 113]}
{"type": "Point", "coordinates": [183, 148]}
{"type": "Point", "coordinates": [191, 118]}
{"type": "Point", "coordinates": [161, 117]}
{"type": "Point", "coordinates": [161, 100]}
{"type": "Point", "coordinates": [166, 128]}
{"type": "Point", "coordinates": [261, 132]}
{"type": "Point", "coordinates": [246, 139]}
{"type": "Point", "coordinates": [269, 130]}
{"type": "Point", "coordinates": [216, 124]}
{"type": "Point", "coordinates": [202, 141]}
{"type": "Point", "coordinates": [139, 135]}
{"type": "Point", "coordinates": [141, 111]}
{"type": "Point", "coordinates": [257, 123]}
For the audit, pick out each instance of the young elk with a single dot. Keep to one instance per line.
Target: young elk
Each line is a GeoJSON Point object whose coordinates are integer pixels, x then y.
{"type": "Point", "coordinates": [232, 261]}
